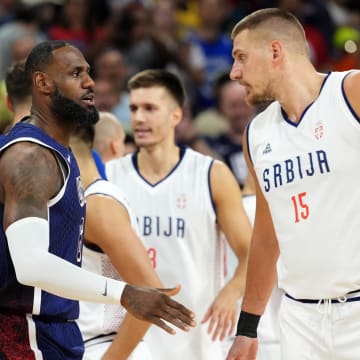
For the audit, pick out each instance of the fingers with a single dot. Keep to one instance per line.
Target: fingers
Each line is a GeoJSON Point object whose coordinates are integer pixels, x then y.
{"type": "Point", "coordinates": [220, 323]}
{"type": "Point", "coordinates": [180, 311]}
{"type": "Point", "coordinates": [161, 324]}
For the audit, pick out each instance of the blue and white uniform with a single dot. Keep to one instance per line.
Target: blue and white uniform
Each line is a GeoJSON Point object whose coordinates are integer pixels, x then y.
{"type": "Point", "coordinates": [35, 324]}
{"type": "Point", "coordinates": [177, 222]}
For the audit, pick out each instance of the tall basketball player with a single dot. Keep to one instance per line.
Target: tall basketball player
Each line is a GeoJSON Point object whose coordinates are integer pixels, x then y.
{"type": "Point", "coordinates": [183, 200]}
{"type": "Point", "coordinates": [42, 211]}
{"type": "Point", "coordinates": [304, 152]}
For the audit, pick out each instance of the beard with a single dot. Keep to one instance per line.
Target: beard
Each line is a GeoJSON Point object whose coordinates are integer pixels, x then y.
{"type": "Point", "coordinates": [71, 112]}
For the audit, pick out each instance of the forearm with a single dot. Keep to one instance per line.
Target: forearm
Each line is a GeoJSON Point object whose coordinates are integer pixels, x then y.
{"type": "Point", "coordinates": [237, 282]}
{"type": "Point", "coordinates": [261, 276]}
{"type": "Point", "coordinates": [28, 241]}
{"type": "Point", "coordinates": [130, 333]}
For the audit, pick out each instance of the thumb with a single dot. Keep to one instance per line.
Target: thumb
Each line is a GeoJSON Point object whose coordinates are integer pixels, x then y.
{"type": "Point", "coordinates": [171, 291]}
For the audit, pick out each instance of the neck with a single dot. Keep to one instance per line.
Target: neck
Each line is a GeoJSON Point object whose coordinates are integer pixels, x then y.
{"type": "Point", "coordinates": [156, 163]}
{"type": "Point", "coordinates": [55, 128]}
{"type": "Point", "coordinates": [300, 90]}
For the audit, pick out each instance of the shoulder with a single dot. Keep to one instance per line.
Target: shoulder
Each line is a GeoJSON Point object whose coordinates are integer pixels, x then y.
{"type": "Point", "coordinates": [118, 166]}
{"type": "Point", "coordinates": [28, 171]}
{"type": "Point", "coordinates": [26, 154]}
{"type": "Point", "coordinates": [351, 89]}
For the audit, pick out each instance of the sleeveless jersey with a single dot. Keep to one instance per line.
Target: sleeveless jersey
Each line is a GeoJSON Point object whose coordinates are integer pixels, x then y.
{"type": "Point", "coordinates": [177, 221]}
{"type": "Point", "coordinates": [66, 222]}
{"type": "Point", "coordinates": [309, 174]}
{"type": "Point", "coordinates": [97, 320]}
{"type": "Point", "coordinates": [36, 318]}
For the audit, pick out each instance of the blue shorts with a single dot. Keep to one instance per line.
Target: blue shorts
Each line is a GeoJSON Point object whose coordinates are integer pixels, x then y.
{"type": "Point", "coordinates": [23, 337]}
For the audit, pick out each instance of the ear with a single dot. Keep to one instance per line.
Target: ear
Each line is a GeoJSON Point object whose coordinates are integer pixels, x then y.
{"type": "Point", "coordinates": [42, 83]}
{"type": "Point", "coordinates": [9, 105]}
{"type": "Point", "coordinates": [177, 115]}
{"type": "Point", "coordinates": [277, 50]}
{"type": "Point", "coordinates": [113, 147]}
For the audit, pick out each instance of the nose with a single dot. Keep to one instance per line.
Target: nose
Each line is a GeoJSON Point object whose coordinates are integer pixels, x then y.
{"type": "Point", "coordinates": [88, 82]}
{"type": "Point", "coordinates": [236, 72]}
{"type": "Point", "coordinates": [137, 116]}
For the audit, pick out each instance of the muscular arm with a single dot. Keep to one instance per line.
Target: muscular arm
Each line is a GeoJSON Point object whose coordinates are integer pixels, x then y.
{"type": "Point", "coordinates": [108, 226]}
{"type": "Point", "coordinates": [234, 223]}
{"type": "Point", "coordinates": [29, 178]}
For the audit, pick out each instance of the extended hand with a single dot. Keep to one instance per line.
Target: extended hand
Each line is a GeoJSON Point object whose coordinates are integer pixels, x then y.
{"type": "Point", "coordinates": [155, 305]}
{"type": "Point", "coordinates": [243, 348]}
{"type": "Point", "coordinates": [222, 315]}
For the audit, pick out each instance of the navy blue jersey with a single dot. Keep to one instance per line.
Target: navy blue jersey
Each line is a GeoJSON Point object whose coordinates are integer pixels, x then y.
{"type": "Point", "coordinates": [66, 215]}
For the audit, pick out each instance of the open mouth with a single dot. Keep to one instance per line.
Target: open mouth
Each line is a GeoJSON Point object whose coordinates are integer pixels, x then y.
{"type": "Point", "coordinates": [88, 99]}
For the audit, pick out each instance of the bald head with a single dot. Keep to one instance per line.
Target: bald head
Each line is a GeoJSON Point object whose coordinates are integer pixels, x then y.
{"type": "Point", "coordinates": [274, 24]}
{"type": "Point", "coordinates": [109, 137]}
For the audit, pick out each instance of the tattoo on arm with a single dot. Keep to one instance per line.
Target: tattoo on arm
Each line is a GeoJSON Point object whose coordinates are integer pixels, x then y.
{"type": "Point", "coordinates": [30, 177]}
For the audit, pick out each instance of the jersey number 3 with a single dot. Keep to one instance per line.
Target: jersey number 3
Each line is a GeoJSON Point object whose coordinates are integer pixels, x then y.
{"type": "Point", "coordinates": [152, 256]}
{"type": "Point", "coordinates": [300, 207]}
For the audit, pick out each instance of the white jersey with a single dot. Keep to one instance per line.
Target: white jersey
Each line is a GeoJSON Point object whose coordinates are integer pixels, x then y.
{"type": "Point", "coordinates": [177, 221]}
{"type": "Point", "coordinates": [96, 319]}
{"type": "Point", "coordinates": [309, 173]}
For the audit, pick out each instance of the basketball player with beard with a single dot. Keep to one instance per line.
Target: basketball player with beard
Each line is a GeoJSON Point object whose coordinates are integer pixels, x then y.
{"type": "Point", "coordinates": [42, 210]}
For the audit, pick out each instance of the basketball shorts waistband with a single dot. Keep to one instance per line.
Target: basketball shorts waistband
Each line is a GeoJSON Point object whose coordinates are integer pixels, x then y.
{"type": "Point", "coordinates": [340, 299]}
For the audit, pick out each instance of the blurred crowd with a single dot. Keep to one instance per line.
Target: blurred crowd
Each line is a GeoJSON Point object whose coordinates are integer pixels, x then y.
{"type": "Point", "coordinates": [188, 37]}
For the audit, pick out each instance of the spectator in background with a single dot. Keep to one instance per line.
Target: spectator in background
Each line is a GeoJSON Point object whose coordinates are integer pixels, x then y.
{"type": "Point", "coordinates": [110, 68]}
{"type": "Point", "coordinates": [318, 26]}
{"type": "Point", "coordinates": [78, 24]}
{"type": "Point", "coordinates": [231, 104]}
{"type": "Point", "coordinates": [25, 25]}
{"type": "Point", "coordinates": [187, 59]}
{"type": "Point", "coordinates": [7, 10]}
{"type": "Point", "coordinates": [216, 47]}
{"type": "Point", "coordinates": [186, 135]}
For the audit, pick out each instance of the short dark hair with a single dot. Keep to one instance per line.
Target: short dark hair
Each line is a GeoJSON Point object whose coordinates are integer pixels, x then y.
{"type": "Point", "coordinates": [41, 55]}
{"type": "Point", "coordinates": [162, 78]}
{"type": "Point", "coordinates": [18, 85]}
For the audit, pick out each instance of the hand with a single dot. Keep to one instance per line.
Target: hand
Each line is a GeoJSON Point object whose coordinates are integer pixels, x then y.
{"type": "Point", "coordinates": [243, 348]}
{"type": "Point", "coordinates": [222, 315]}
{"type": "Point", "coordinates": [155, 305]}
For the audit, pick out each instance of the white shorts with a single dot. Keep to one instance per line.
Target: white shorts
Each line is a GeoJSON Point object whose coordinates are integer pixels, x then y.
{"type": "Point", "coordinates": [320, 331]}
{"type": "Point", "coordinates": [96, 351]}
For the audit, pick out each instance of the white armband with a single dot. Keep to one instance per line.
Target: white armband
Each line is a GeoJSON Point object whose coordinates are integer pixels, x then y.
{"type": "Point", "coordinates": [28, 241]}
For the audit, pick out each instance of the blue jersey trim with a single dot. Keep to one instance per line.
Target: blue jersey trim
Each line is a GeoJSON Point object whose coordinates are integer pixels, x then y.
{"type": "Point", "coordinates": [248, 141]}
{"type": "Point", "coordinates": [135, 164]}
{"type": "Point", "coordinates": [292, 123]}
{"type": "Point", "coordinates": [357, 118]}
{"type": "Point", "coordinates": [209, 187]}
